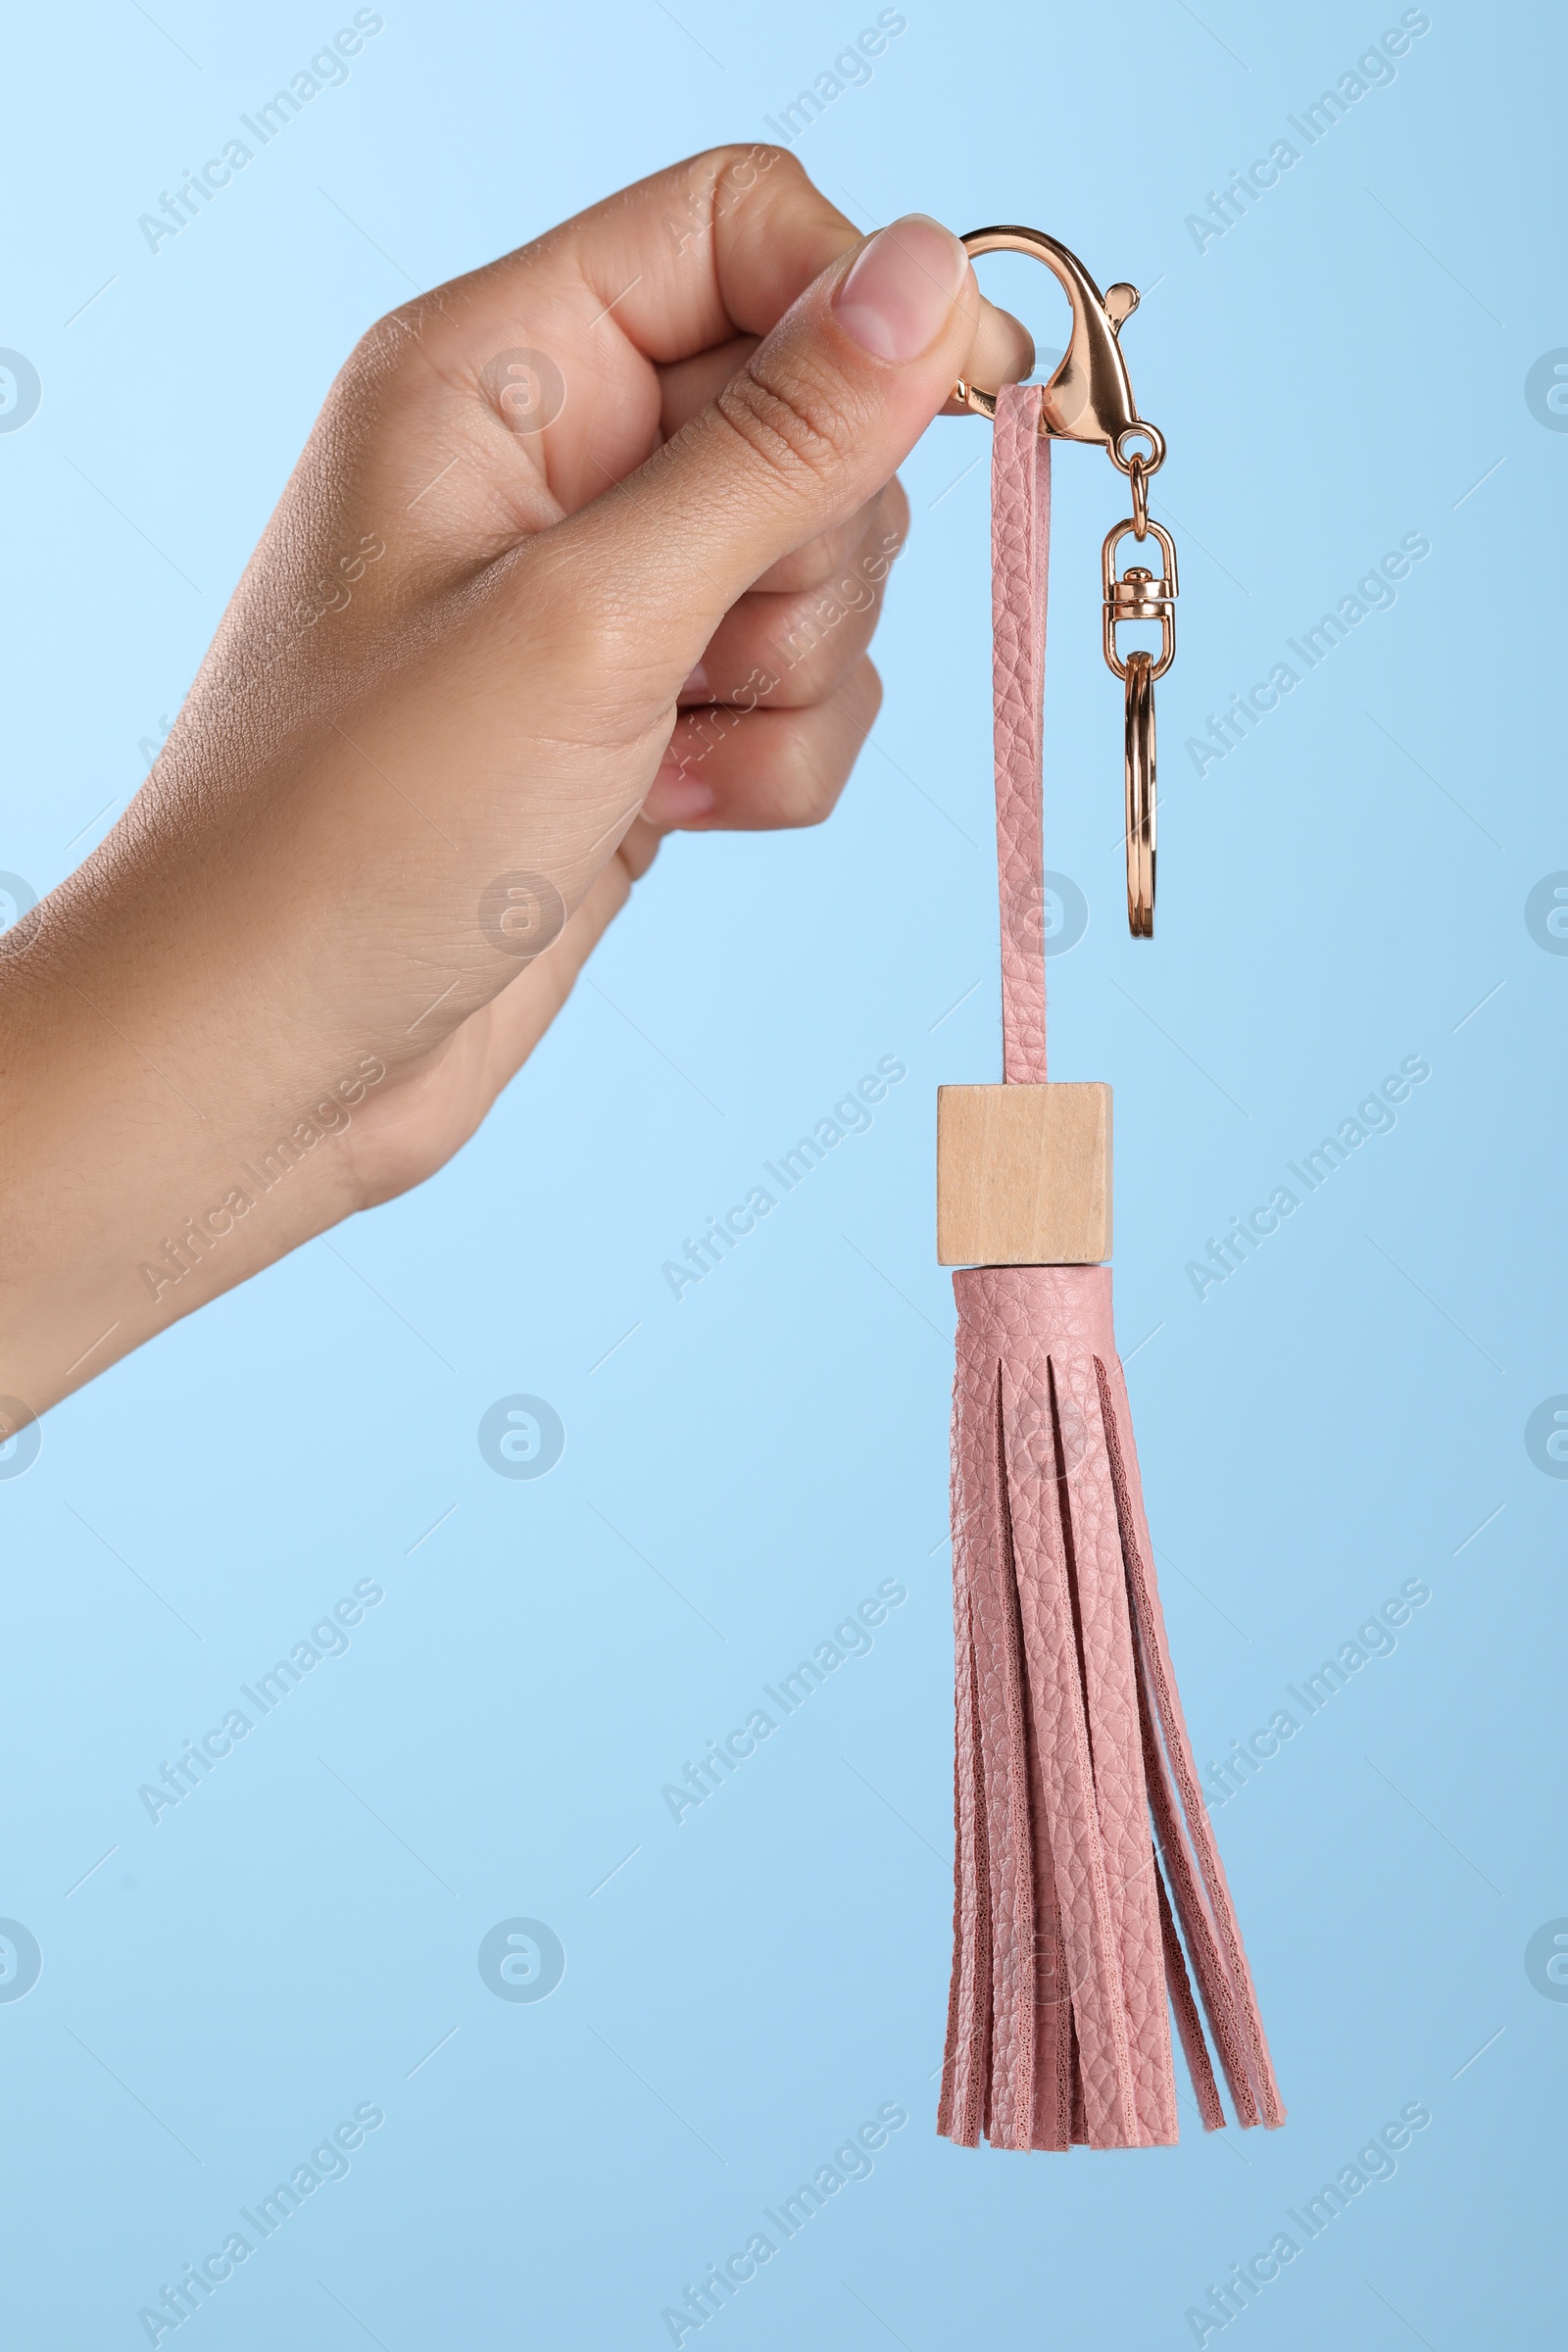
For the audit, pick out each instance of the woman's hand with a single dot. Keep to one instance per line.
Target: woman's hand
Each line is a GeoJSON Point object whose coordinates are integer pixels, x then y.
{"type": "Point", "coordinates": [585, 546]}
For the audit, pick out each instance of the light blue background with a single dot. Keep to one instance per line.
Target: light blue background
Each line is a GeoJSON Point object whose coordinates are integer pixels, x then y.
{"type": "Point", "coordinates": [1339, 369]}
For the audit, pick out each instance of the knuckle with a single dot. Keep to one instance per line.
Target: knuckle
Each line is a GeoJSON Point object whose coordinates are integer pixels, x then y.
{"type": "Point", "coordinates": [810, 565]}
{"type": "Point", "coordinates": [896, 517]}
{"type": "Point", "coordinates": [794, 424]}
{"type": "Point", "coordinates": [720, 180]}
{"type": "Point", "coordinates": [392, 342]}
{"type": "Point", "coordinates": [810, 776]}
{"type": "Point", "coordinates": [570, 619]}
{"type": "Point", "coordinates": [822, 637]}
{"type": "Point", "coordinates": [736, 161]}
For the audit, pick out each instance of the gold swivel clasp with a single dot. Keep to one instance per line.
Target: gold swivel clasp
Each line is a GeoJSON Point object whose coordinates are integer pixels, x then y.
{"type": "Point", "coordinates": [1140, 594]}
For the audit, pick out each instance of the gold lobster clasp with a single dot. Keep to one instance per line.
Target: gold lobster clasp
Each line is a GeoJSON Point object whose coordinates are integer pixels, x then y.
{"type": "Point", "coordinates": [1089, 398]}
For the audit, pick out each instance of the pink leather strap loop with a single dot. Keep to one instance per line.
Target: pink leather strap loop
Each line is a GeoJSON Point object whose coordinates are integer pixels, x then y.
{"type": "Point", "coordinates": [1021, 533]}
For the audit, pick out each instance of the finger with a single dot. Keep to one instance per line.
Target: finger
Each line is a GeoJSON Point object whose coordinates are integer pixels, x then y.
{"type": "Point", "coordinates": [715, 246]}
{"type": "Point", "coordinates": [786, 651]}
{"type": "Point", "coordinates": [687, 389]}
{"type": "Point", "coordinates": [764, 769]}
{"type": "Point", "coordinates": [714, 249]}
{"type": "Point", "coordinates": [812, 426]}
{"type": "Point", "coordinates": [881, 525]}
{"type": "Point", "coordinates": [1004, 351]}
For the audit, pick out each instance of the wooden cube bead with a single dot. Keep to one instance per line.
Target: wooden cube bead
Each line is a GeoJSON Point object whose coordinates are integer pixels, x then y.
{"type": "Point", "coordinates": [1023, 1175]}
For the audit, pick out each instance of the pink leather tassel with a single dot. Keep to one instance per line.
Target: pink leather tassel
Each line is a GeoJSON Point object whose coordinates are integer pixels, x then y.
{"type": "Point", "coordinates": [1089, 1892]}
{"type": "Point", "coordinates": [1089, 1900]}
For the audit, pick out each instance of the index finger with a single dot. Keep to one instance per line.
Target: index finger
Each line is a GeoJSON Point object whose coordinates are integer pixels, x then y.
{"type": "Point", "coordinates": [682, 263]}
{"type": "Point", "coordinates": [716, 246]}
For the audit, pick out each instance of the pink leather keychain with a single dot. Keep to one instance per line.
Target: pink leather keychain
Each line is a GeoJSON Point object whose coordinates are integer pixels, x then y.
{"type": "Point", "coordinates": [1090, 1897]}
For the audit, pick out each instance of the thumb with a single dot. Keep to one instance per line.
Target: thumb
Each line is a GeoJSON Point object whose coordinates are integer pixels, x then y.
{"type": "Point", "coordinates": [817, 420]}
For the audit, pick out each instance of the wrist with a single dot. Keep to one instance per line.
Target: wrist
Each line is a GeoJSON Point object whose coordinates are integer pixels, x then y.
{"type": "Point", "coordinates": [206, 1184]}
